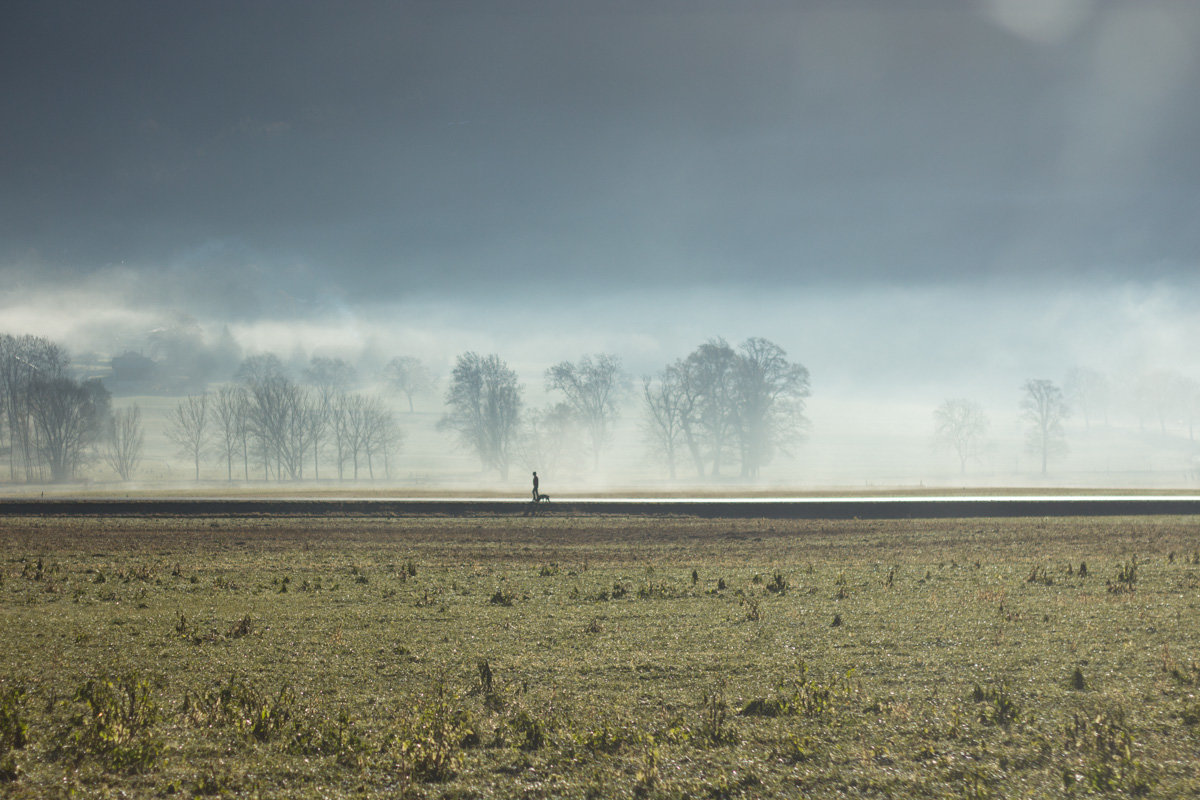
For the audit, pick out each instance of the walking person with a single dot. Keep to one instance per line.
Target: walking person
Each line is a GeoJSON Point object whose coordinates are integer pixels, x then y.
{"type": "Point", "coordinates": [536, 496]}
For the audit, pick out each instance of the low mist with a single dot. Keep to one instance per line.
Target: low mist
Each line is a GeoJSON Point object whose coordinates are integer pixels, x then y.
{"type": "Point", "coordinates": [880, 364]}
{"type": "Point", "coordinates": [858, 246]}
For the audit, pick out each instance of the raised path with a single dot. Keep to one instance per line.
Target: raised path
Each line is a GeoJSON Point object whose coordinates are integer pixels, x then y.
{"type": "Point", "coordinates": [717, 508]}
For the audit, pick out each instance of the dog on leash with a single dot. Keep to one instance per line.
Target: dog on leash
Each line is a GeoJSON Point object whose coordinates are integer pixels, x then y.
{"type": "Point", "coordinates": [543, 498]}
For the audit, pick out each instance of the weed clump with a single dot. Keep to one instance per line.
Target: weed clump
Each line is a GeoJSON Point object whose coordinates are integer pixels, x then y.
{"type": "Point", "coordinates": [714, 728]}
{"type": "Point", "coordinates": [998, 706]}
{"type": "Point", "coordinates": [1103, 750]}
{"type": "Point", "coordinates": [238, 703]}
{"type": "Point", "coordinates": [803, 695]}
{"type": "Point", "coordinates": [429, 745]}
{"type": "Point", "coordinates": [778, 584]}
{"type": "Point", "coordinates": [243, 627]}
{"type": "Point", "coordinates": [1040, 575]}
{"type": "Point", "coordinates": [13, 730]}
{"type": "Point", "coordinates": [114, 725]}
{"type": "Point", "coordinates": [1126, 578]}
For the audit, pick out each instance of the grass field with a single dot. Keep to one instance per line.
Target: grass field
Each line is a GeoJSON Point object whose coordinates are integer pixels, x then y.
{"type": "Point", "coordinates": [599, 657]}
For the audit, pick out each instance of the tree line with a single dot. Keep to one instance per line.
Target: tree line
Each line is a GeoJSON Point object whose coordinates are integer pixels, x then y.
{"type": "Point", "coordinates": [721, 409]}
{"type": "Point", "coordinates": [50, 421]}
{"type": "Point", "coordinates": [1161, 400]}
{"type": "Point", "coordinates": [718, 408]}
{"type": "Point", "coordinates": [267, 425]}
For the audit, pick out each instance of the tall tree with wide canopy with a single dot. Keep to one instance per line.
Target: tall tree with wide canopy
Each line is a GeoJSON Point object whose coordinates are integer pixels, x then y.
{"type": "Point", "coordinates": [484, 408]}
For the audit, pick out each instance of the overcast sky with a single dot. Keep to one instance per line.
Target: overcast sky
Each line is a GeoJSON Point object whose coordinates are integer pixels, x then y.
{"type": "Point", "coordinates": [843, 163]}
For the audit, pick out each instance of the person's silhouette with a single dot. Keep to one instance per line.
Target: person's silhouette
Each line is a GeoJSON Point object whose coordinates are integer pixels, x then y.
{"type": "Point", "coordinates": [535, 487]}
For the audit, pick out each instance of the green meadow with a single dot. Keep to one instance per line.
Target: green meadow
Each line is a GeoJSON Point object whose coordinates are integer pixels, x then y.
{"type": "Point", "coordinates": [599, 657]}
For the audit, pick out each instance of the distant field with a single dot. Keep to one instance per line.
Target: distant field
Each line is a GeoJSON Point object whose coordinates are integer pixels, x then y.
{"type": "Point", "coordinates": [599, 657]}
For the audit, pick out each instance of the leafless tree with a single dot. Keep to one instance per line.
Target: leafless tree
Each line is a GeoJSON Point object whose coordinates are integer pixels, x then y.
{"type": "Point", "coordinates": [68, 418]}
{"type": "Point", "coordinates": [188, 427]}
{"type": "Point", "coordinates": [231, 415]}
{"type": "Point", "coordinates": [409, 376]}
{"type": "Point", "coordinates": [353, 419]}
{"type": "Point", "coordinates": [710, 372]}
{"type": "Point", "coordinates": [769, 395]}
{"type": "Point", "coordinates": [1163, 395]}
{"type": "Point", "coordinates": [23, 360]}
{"type": "Point", "coordinates": [1044, 408]}
{"type": "Point", "coordinates": [259, 368]}
{"type": "Point", "coordinates": [591, 388]}
{"type": "Point", "coordinates": [379, 434]}
{"type": "Point", "coordinates": [960, 425]}
{"type": "Point", "coordinates": [551, 440]}
{"type": "Point", "coordinates": [663, 402]}
{"type": "Point", "coordinates": [329, 378]}
{"type": "Point", "coordinates": [1090, 393]}
{"type": "Point", "coordinates": [123, 445]}
{"type": "Point", "coordinates": [280, 421]}
{"type": "Point", "coordinates": [484, 408]}
{"type": "Point", "coordinates": [725, 404]}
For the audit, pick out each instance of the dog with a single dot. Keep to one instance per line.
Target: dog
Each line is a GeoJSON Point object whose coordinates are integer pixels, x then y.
{"type": "Point", "coordinates": [543, 498]}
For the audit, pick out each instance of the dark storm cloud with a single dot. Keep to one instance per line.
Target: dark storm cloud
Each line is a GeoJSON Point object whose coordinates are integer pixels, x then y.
{"type": "Point", "coordinates": [275, 152]}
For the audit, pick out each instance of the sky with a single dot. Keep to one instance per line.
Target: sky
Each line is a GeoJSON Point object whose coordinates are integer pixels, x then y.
{"type": "Point", "coordinates": [939, 196]}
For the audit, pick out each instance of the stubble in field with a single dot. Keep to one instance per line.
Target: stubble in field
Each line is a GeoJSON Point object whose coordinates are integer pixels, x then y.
{"type": "Point", "coordinates": [598, 657]}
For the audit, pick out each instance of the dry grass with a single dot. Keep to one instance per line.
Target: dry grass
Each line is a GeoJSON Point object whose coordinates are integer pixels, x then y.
{"type": "Point", "coordinates": [369, 657]}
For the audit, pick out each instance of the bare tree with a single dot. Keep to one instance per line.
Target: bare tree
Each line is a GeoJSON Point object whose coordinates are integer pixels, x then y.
{"type": "Point", "coordinates": [960, 425]}
{"type": "Point", "coordinates": [280, 420]}
{"type": "Point", "coordinates": [23, 360]}
{"type": "Point", "coordinates": [1044, 408]}
{"type": "Point", "coordinates": [721, 403]}
{"type": "Point", "coordinates": [1163, 395]}
{"type": "Point", "coordinates": [231, 413]}
{"type": "Point", "coordinates": [769, 401]}
{"type": "Point", "coordinates": [409, 376]}
{"type": "Point", "coordinates": [68, 418]}
{"type": "Point", "coordinates": [259, 368]}
{"type": "Point", "coordinates": [665, 411]}
{"type": "Point", "coordinates": [188, 428]}
{"type": "Point", "coordinates": [711, 372]}
{"type": "Point", "coordinates": [340, 428]}
{"type": "Point", "coordinates": [329, 378]}
{"type": "Point", "coordinates": [330, 375]}
{"type": "Point", "coordinates": [1089, 392]}
{"type": "Point", "coordinates": [379, 433]}
{"type": "Point", "coordinates": [353, 419]}
{"type": "Point", "coordinates": [123, 446]}
{"type": "Point", "coordinates": [591, 388]}
{"type": "Point", "coordinates": [550, 440]}
{"type": "Point", "coordinates": [484, 401]}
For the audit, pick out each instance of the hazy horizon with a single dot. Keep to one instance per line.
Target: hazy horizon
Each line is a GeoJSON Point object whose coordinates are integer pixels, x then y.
{"type": "Point", "coordinates": [932, 201]}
